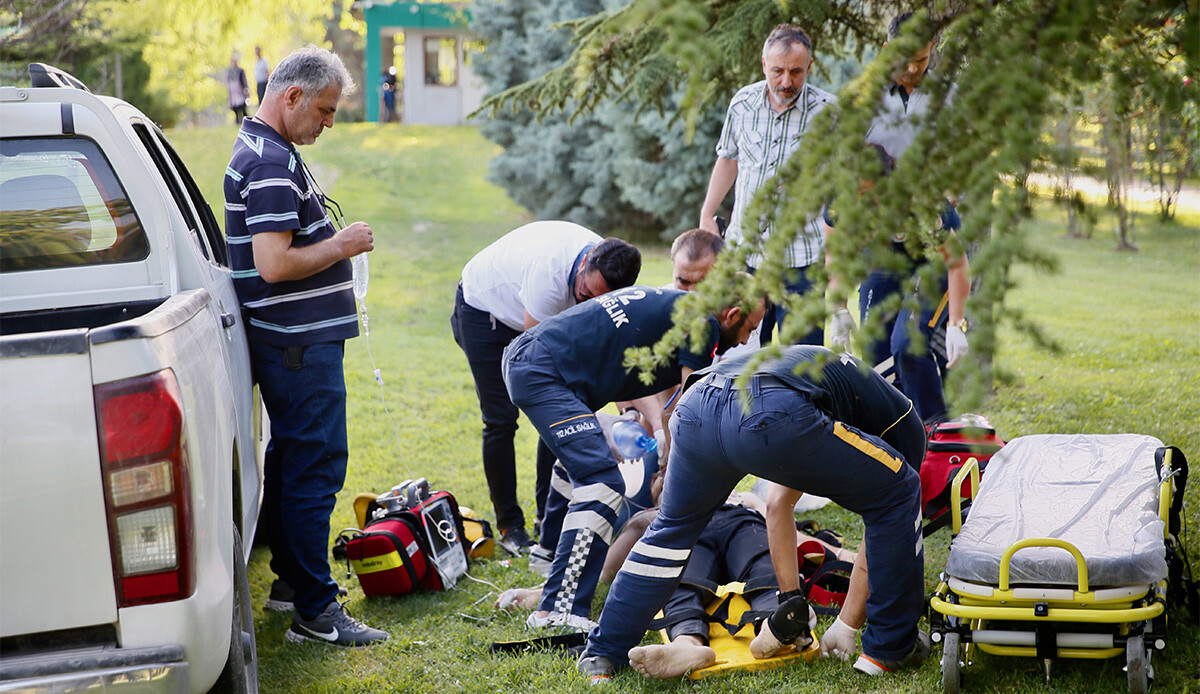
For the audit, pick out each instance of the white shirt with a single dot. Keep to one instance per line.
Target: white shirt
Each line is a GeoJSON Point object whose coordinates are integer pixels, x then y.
{"type": "Point", "coordinates": [261, 71]}
{"type": "Point", "coordinates": [529, 269]}
{"type": "Point", "coordinates": [899, 120]}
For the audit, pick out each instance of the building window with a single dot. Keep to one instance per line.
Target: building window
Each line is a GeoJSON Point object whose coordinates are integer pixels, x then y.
{"type": "Point", "coordinates": [441, 61]}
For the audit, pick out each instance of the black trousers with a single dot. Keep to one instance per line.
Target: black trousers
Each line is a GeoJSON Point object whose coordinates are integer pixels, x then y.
{"type": "Point", "coordinates": [733, 547]}
{"type": "Point", "coordinates": [483, 339]}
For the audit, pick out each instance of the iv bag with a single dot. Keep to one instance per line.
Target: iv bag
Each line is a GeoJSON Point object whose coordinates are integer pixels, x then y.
{"type": "Point", "coordinates": [362, 276]}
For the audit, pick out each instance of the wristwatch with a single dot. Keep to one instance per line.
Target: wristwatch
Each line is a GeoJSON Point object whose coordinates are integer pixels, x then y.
{"type": "Point", "coordinates": [962, 325]}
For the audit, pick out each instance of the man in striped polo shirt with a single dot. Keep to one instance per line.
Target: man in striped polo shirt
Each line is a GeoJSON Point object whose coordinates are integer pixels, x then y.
{"type": "Point", "coordinates": [292, 274]}
{"type": "Point", "coordinates": [763, 128]}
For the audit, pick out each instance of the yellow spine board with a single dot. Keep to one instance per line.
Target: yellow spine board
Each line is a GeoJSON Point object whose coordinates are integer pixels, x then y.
{"type": "Point", "coordinates": [733, 652]}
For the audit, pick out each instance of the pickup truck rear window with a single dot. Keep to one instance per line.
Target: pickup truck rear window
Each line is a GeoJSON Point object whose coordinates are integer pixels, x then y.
{"type": "Point", "coordinates": [61, 205]}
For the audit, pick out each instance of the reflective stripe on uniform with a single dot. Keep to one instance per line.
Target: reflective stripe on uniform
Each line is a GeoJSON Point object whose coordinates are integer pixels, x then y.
{"type": "Point", "coordinates": [589, 520]}
{"type": "Point", "coordinates": [889, 461]}
{"type": "Point", "coordinates": [649, 570]}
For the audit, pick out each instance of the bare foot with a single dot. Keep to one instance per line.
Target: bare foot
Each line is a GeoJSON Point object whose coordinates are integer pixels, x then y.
{"type": "Point", "coordinates": [519, 598]}
{"type": "Point", "coordinates": [677, 658]}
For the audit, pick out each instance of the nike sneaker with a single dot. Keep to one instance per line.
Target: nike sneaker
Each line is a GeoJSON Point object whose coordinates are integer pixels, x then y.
{"type": "Point", "coordinates": [335, 627]}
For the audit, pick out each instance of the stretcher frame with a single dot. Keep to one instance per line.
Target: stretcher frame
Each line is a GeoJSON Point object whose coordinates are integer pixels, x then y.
{"type": "Point", "coordinates": [1125, 619]}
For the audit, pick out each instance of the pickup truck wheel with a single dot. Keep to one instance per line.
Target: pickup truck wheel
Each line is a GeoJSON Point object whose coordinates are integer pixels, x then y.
{"type": "Point", "coordinates": [240, 675]}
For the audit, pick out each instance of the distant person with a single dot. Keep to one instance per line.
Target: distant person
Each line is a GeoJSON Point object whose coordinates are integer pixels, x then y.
{"type": "Point", "coordinates": [764, 127]}
{"type": "Point", "coordinates": [262, 71]}
{"type": "Point", "coordinates": [526, 276]}
{"type": "Point", "coordinates": [388, 92]}
{"type": "Point", "coordinates": [239, 90]}
{"type": "Point", "coordinates": [292, 274]}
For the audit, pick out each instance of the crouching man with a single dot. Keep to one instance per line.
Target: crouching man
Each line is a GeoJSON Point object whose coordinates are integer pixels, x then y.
{"type": "Point", "coordinates": [781, 426]}
{"type": "Point", "coordinates": [563, 370]}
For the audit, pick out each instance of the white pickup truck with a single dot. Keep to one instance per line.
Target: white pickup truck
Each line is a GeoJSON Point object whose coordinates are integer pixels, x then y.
{"type": "Point", "coordinates": [130, 430]}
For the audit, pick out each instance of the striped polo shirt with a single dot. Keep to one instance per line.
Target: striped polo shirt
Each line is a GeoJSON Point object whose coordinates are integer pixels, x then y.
{"type": "Point", "coordinates": [761, 140]}
{"type": "Point", "coordinates": [267, 188]}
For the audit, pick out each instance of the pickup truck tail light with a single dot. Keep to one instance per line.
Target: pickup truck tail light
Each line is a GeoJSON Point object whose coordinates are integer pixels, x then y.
{"type": "Point", "coordinates": [145, 468]}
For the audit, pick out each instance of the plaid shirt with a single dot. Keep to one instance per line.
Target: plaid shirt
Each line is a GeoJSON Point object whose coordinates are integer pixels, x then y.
{"type": "Point", "coordinates": [760, 140]}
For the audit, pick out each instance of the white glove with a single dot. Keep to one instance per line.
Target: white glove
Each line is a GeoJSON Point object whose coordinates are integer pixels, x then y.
{"type": "Point", "coordinates": [660, 437]}
{"type": "Point", "coordinates": [956, 345]}
{"type": "Point", "coordinates": [839, 640]}
{"type": "Point", "coordinates": [840, 330]}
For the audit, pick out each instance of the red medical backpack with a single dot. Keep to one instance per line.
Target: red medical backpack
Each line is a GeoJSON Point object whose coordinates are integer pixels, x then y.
{"type": "Point", "coordinates": [401, 550]}
{"type": "Point", "coordinates": [951, 444]}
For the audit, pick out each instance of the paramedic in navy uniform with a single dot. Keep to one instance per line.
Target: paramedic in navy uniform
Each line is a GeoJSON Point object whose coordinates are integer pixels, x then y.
{"type": "Point", "coordinates": [848, 435]}
{"type": "Point", "coordinates": [901, 116]}
{"type": "Point", "coordinates": [563, 370]}
{"type": "Point", "coordinates": [521, 279]}
{"type": "Point", "coordinates": [292, 274]}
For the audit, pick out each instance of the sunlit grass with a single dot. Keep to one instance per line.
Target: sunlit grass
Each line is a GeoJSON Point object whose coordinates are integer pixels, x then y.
{"type": "Point", "coordinates": [1129, 325]}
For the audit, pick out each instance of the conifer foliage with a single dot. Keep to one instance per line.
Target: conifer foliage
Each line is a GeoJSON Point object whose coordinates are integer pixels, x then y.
{"type": "Point", "coordinates": [1006, 64]}
{"type": "Point", "coordinates": [605, 165]}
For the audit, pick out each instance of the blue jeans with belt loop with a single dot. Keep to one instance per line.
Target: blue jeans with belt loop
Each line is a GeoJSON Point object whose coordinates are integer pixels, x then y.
{"type": "Point", "coordinates": [569, 428]}
{"type": "Point", "coordinates": [783, 437]}
{"type": "Point", "coordinates": [305, 464]}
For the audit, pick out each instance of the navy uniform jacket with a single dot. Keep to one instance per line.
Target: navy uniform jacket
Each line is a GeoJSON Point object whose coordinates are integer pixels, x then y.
{"type": "Point", "coordinates": [588, 342]}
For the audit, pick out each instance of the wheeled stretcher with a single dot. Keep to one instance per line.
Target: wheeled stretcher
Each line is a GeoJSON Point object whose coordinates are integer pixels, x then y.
{"type": "Point", "coordinates": [1063, 555]}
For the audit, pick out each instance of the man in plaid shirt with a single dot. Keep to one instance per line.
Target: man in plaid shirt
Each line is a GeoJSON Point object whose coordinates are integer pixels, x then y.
{"type": "Point", "coordinates": [763, 127]}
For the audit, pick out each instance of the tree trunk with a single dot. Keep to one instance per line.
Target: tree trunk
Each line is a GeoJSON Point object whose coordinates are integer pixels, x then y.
{"type": "Point", "coordinates": [1123, 159]}
{"type": "Point", "coordinates": [1066, 130]}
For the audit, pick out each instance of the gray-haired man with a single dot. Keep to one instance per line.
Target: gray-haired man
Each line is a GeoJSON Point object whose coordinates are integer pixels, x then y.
{"type": "Point", "coordinates": [764, 126]}
{"type": "Point", "coordinates": [292, 274]}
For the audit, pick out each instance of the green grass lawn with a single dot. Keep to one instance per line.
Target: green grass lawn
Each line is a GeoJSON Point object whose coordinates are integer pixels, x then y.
{"type": "Point", "coordinates": [1129, 325]}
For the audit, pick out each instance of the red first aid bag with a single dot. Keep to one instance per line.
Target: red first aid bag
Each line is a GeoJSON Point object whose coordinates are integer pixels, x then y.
{"type": "Point", "coordinates": [406, 545]}
{"type": "Point", "coordinates": [390, 556]}
{"type": "Point", "coordinates": [951, 444]}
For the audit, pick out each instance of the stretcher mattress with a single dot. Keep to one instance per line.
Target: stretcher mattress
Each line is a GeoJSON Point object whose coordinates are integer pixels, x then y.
{"type": "Point", "coordinates": [1098, 492]}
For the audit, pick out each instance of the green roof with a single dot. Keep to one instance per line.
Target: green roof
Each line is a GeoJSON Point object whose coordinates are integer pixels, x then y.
{"type": "Point", "coordinates": [416, 15]}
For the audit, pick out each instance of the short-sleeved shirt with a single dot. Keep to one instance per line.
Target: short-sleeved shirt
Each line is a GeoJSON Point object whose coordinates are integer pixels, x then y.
{"type": "Point", "coordinates": [845, 391]}
{"type": "Point", "coordinates": [588, 343]}
{"type": "Point", "coordinates": [900, 118]}
{"type": "Point", "coordinates": [267, 189]}
{"type": "Point", "coordinates": [761, 140]}
{"type": "Point", "coordinates": [261, 71]}
{"type": "Point", "coordinates": [531, 268]}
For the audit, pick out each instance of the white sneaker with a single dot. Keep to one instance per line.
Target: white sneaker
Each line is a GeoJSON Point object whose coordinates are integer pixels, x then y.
{"type": "Point", "coordinates": [560, 619]}
{"type": "Point", "coordinates": [540, 560]}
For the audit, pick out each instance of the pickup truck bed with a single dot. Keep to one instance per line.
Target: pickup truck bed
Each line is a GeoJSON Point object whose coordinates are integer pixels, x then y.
{"type": "Point", "coordinates": [130, 431]}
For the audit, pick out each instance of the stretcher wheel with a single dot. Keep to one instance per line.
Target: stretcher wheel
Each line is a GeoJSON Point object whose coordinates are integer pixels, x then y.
{"type": "Point", "coordinates": [951, 663]}
{"type": "Point", "coordinates": [1137, 665]}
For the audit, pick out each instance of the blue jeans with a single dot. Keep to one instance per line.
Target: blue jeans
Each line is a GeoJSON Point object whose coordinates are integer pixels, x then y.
{"type": "Point", "coordinates": [877, 288]}
{"type": "Point", "coordinates": [797, 283]}
{"type": "Point", "coordinates": [919, 366]}
{"type": "Point", "coordinates": [569, 428]}
{"type": "Point", "coordinates": [483, 339]}
{"type": "Point", "coordinates": [782, 437]}
{"type": "Point", "coordinates": [305, 464]}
